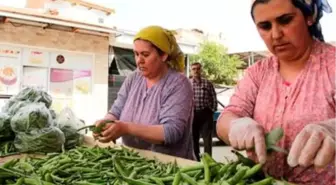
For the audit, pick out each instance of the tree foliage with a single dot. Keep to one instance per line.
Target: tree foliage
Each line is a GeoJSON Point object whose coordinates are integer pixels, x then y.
{"type": "Point", "coordinates": [218, 66]}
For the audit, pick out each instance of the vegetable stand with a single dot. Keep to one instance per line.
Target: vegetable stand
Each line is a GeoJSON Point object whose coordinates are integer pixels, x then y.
{"type": "Point", "coordinates": [28, 127]}
{"type": "Point", "coordinates": [89, 141]}
{"type": "Point", "coordinates": [133, 166]}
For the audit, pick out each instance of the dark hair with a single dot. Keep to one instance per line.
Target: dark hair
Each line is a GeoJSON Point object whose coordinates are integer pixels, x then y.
{"type": "Point", "coordinates": [160, 52]}
{"type": "Point", "coordinates": [157, 49]}
{"type": "Point", "coordinates": [196, 63]}
{"type": "Point", "coordinates": [255, 3]}
{"type": "Point", "coordinates": [305, 11]}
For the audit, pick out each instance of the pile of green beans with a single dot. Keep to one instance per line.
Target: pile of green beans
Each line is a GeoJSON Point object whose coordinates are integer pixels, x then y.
{"type": "Point", "coordinates": [107, 166]}
{"type": "Point", "coordinates": [7, 148]}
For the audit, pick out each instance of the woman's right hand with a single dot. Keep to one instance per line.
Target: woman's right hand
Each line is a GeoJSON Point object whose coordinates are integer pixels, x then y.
{"type": "Point", "coordinates": [245, 133]}
{"type": "Point", "coordinates": [108, 116]}
{"type": "Point", "coordinates": [97, 123]}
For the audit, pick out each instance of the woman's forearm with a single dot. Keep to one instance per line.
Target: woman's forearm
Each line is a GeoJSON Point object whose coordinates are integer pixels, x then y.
{"type": "Point", "coordinates": [150, 133]}
{"type": "Point", "coordinates": [110, 116]}
{"type": "Point", "coordinates": [223, 125]}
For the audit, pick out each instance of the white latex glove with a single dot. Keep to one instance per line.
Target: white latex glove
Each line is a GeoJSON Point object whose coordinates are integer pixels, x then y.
{"type": "Point", "coordinates": [314, 145]}
{"type": "Point", "coordinates": [245, 133]}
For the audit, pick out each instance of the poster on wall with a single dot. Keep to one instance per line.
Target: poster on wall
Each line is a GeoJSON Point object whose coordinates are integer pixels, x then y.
{"type": "Point", "coordinates": [35, 77]}
{"type": "Point", "coordinates": [11, 52]}
{"type": "Point", "coordinates": [61, 82]}
{"type": "Point", "coordinates": [9, 79]}
{"type": "Point", "coordinates": [35, 57]}
{"type": "Point", "coordinates": [82, 82]}
{"type": "Point", "coordinates": [9, 70]}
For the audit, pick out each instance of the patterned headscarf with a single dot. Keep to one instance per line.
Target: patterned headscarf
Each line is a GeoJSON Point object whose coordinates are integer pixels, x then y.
{"type": "Point", "coordinates": [314, 8]}
{"type": "Point", "coordinates": [166, 42]}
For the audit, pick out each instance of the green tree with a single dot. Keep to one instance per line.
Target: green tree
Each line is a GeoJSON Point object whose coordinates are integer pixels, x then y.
{"type": "Point", "coordinates": [218, 66]}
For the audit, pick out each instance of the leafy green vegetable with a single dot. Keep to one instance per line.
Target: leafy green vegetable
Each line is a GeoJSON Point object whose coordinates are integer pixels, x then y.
{"type": "Point", "coordinates": [97, 129]}
{"type": "Point", "coordinates": [53, 114]}
{"type": "Point", "coordinates": [29, 125]}
{"type": "Point", "coordinates": [246, 161]}
{"type": "Point", "coordinates": [5, 127]}
{"type": "Point", "coordinates": [24, 97]}
{"type": "Point", "coordinates": [48, 139]}
{"type": "Point", "coordinates": [32, 94]}
{"type": "Point", "coordinates": [16, 106]}
{"type": "Point", "coordinates": [68, 123]}
{"type": "Point", "coordinates": [72, 137]}
{"type": "Point", "coordinates": [36, 131]}
{"type": "Point", "coordinates": [31, 116]}
{"type": "Point", "coordinates": [272, 138]}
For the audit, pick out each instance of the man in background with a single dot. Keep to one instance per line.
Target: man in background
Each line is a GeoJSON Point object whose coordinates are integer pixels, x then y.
{"type": "Point", "coordinates": [205, 104]}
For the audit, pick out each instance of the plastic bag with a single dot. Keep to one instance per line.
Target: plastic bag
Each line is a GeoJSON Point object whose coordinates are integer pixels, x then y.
{"type": "Point", "coordinates": [69, 123]}
{"type": "Point", "coordinates": [53, 114]}
{"type": "Point", "coordinates": [33, 94]}
{"type": "Point", "coordinates": [6, 132]}
{"type": "Point", "coordinates": [26, 96]}
{"type": "Point", "coordinates": [16, 106]}
{"type": "Point", "coordinates": [31, 116]}
{"type": "Point", "coordinates": [50, 139]}
{"type": "Point", "coordinates": [8, 104]}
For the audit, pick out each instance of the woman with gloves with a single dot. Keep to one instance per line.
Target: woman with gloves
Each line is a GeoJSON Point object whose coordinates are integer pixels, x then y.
{"type": "Point", "coordinates": [293, 89]}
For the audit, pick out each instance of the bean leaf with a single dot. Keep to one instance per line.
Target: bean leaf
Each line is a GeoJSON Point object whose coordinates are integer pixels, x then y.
{"type": "Point", "coordinates": [272, 138]}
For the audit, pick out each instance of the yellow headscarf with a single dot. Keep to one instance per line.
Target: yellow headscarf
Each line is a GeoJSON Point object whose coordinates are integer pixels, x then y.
{"type": "Point", "coordinates": [165, 41]}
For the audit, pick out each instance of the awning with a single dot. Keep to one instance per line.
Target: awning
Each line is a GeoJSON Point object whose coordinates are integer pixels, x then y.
{"type": "Point", "coordinates": [123, 62]}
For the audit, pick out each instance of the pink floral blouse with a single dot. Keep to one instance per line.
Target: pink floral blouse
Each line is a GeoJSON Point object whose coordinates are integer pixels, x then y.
{"type": "Point", "coordinates": [272, 102]}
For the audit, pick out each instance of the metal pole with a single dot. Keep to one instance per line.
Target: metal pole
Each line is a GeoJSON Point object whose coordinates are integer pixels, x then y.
{"type": "Point", "coordinates": [252, 58]}
{"type": "Point", "coordinates": [188, 65]}
{"type": "Point", "coordinates": [249, 59]}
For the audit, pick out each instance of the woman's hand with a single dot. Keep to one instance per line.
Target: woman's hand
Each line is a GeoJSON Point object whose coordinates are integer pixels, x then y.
{"type": "Point", "coordinates": [245, 133]}
{"type": "Point", "coordinates": [113, 131]}
{"type": "Point", "coordinates": [314, 145]}
{"type": "Point", "coordinates": [98, 124]}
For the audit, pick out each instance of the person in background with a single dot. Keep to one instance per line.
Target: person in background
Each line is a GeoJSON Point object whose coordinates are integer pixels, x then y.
{"type": "Point", "coordinates": [153, 109]}
{"type": "Point", "coordinates": [294, 89]}
{"type": "Point", "coordinates": [205, 104]}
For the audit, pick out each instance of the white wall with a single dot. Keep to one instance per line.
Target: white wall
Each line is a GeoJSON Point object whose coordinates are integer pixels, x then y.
{"type": "Point", "coordinates": [67, 11]}
{"type": "Point", "coordinates": [13, 3]}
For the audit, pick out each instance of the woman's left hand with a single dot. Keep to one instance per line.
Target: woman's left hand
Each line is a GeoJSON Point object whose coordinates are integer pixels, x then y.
{"type": "Point", "coordinates": [113, 131]}
{"type": "Point", "coordinates": [314, 145]}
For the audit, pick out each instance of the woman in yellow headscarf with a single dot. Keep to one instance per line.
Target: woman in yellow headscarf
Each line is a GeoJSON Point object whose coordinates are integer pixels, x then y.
{"type": "Point", "coordinates": [154, 109]}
